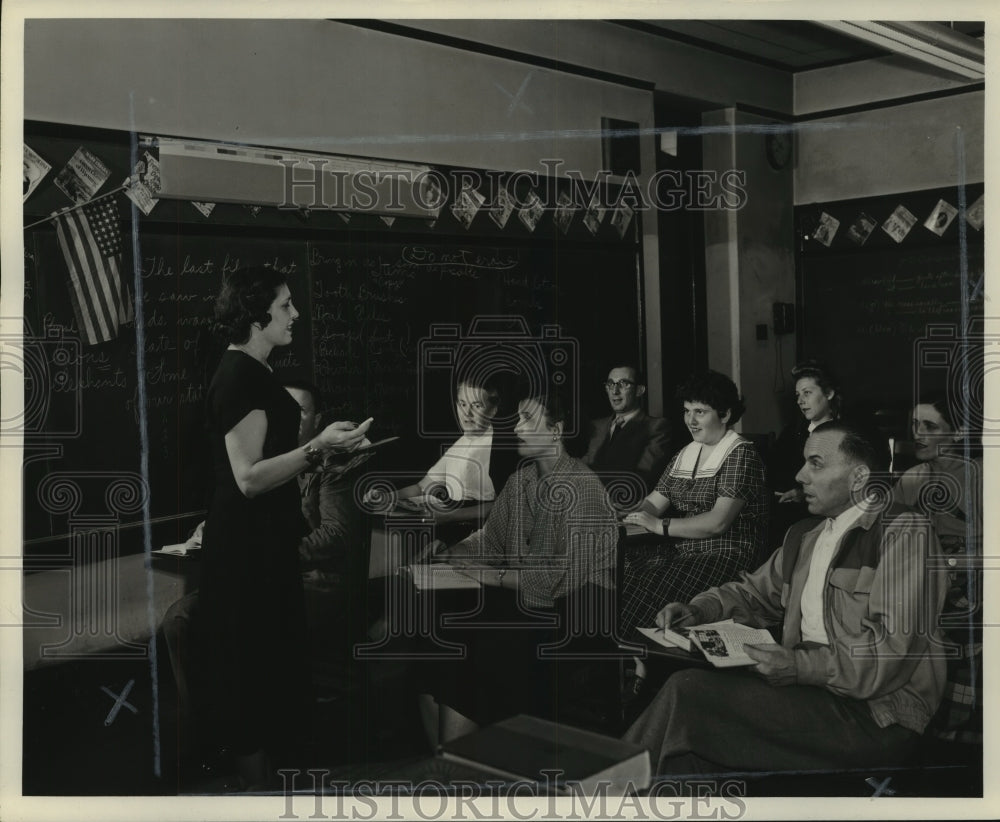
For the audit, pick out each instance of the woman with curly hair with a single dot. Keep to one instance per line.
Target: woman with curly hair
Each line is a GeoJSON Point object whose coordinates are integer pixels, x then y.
{"type": "Point", "coordinates": [710, 506]}
{"type": "Point", "coordinates": [251, 589]}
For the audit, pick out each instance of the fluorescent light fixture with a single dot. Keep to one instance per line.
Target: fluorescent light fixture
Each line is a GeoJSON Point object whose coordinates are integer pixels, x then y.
{"type": "Point", "coordinates": [214, 172]}
{"type": "Point", "coordinates": [931, 43]}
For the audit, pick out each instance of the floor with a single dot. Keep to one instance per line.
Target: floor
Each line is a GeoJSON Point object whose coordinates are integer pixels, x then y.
{"type": "Point", "coordinates": [90, 728]}
{"type": "Point", "coordinates": [77, 742]}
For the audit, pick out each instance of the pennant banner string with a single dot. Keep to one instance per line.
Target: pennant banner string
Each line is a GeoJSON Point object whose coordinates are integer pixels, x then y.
{"type": "Point", "coordinates": [68, 209]}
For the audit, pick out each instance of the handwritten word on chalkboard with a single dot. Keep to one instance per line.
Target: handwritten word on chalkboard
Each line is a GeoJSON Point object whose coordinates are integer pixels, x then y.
{"type": "Point", "coordinates": [866, 314]}
{"type": "Point", "coordinates": [364, 309]}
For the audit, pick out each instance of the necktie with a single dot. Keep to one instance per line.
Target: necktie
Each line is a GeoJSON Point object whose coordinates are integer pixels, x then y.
{"type": "Point", "coordinates": [616, 426]}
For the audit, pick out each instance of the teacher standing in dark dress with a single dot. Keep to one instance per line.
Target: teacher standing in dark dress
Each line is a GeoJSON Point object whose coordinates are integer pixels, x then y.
{"type": "Point", "coordinates": [251, 589]}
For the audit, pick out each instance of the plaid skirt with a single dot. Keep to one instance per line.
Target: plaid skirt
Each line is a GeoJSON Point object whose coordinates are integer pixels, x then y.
{"type": "Point", "coordinates": [655, 577]}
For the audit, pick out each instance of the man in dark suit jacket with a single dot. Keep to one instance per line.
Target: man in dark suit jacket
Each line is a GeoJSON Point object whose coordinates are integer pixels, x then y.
{"type": "Point", "coordinates": [630, 440]}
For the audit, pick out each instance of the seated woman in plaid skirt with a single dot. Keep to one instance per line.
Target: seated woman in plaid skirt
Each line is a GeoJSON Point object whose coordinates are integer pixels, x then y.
{"type": "Point", "coordinates": [715, 501]}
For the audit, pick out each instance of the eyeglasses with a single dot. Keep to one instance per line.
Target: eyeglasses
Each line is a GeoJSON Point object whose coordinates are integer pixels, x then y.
{"type": "Point", "coordinates": [621, 385]}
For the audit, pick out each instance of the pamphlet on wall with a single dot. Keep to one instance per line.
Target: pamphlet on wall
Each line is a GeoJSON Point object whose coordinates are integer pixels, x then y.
{"type": "Point", "coordinates": [82, 176]}
{"type": "Point", "coordinates": [34, 169]}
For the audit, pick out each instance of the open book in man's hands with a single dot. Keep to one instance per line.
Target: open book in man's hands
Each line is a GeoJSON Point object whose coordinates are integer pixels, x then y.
{"type": "Point", "coordinates": [721, 642]}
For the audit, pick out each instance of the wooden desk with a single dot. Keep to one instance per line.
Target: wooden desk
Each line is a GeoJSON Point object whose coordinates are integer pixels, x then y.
{"type": "Point", "coordinates": [402, 534]}
{"type": "Point", "coordinates": [110, 607]}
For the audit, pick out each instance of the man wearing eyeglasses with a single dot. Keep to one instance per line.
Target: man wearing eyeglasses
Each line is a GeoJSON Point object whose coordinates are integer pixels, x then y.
{"type": "Point", "coordinates": [630, 440]}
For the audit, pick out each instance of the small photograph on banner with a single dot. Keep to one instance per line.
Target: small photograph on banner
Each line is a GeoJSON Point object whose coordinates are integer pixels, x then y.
{"type": "Point", "coordinates": [83, 175]}
{"type": "Point", "coordinates": [144, 183]}
{"type": "Point", "coordinates": [501, 210]}
{"type": "Point", "coordinates": [35, 168]}
{"type": "Point", "coordinates": [564, 212]}
{"type": "Point", "coordinates": [975, 214]}
{"type": "Point", "coordinates": [826, 230]}
{"type": "Point", "coordinates": [531, 212]}
{"type": "Point", "coordinates": [467, 205]}
{"type": "Point", "coordinates": [899, 223]}
{"type": "Point", "coordinates": [204, 208]}
{"type": "Point", "coordinates": [620, 219]}
{"type": "Point", "coordinates": [861, 228]}
{"type": "Point", "coordinates": [594, 215]}
{"type": "Point", "coordinates": [388, 220]}
{"type": "Point", "coordinates": [430, 194]}
{"type": "Point", "coordinates": [253, 209]}
{"type": "Point", "coordinates": [941, 217]}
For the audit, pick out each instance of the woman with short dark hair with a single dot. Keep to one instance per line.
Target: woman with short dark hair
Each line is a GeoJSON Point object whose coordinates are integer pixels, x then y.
{"type": "Point", "coordinates": [817, 394]}
{"type": "Point", "coordinates": [251, 590]}
{"type": "Point", "coordinates": [550, 538]}
{"type": "Point", "coordinates": [946, 485]}
{"type": "Point", "coordinates": [819, 399]}
{"type": "Point", "coordinates": [714, 497]}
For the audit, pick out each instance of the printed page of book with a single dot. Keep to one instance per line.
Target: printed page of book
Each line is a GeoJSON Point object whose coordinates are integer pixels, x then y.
{"type": "Point", "coordinates": [723, 644]}
{"type": "Point", "coordinates": [678, 637]}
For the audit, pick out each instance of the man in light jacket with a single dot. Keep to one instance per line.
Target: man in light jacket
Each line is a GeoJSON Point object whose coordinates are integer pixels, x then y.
{"type": "Point", "coordinates": [860, 668]}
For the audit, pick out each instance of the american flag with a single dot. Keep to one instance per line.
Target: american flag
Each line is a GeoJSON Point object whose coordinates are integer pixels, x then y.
{"type": "Point", "coordinates": [91, 242]}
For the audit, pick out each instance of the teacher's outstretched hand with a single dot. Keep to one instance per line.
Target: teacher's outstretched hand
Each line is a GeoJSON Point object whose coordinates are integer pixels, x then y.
{"type": "Point", "coordinates": [343, 436]}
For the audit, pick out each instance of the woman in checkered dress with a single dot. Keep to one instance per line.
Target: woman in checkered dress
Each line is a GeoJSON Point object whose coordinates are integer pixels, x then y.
{"type": "Point", "coordinates": [710, 506]}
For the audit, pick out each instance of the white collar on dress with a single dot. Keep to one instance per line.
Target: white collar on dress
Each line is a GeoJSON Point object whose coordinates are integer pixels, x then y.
{"type": "Point", "coordinates": [688, 458]}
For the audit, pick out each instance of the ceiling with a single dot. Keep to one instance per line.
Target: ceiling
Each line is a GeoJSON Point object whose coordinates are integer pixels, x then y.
{"type": "Point", "coordinates": [789, 45]}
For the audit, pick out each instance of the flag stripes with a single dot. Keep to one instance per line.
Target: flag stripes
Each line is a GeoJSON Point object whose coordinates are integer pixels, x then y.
{"type": "Point", "coordinates": [101, 300]}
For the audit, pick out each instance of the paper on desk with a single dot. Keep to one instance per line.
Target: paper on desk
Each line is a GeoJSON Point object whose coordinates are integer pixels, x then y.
{"type": "Point", "coordinates": [415, 504]}
{"type": "Point", "coordinates": [182, 549]}
{"type": "Point", "coordinates": [634, 529]}
{"type": "Point", "coordinates": [439, 577]}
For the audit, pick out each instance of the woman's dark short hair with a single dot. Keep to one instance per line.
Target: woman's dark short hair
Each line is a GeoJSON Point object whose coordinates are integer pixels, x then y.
{"type": "Point", "coordinates": [715, 390]}
{"type": "Point", "coordinates": [821, 374]}
{"type": "Point", "coordinates": [555, 406]}
{"type": "Point", "coordinates": [245, 298]}
{"type": "Point", "coordinates": [938, 400]}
